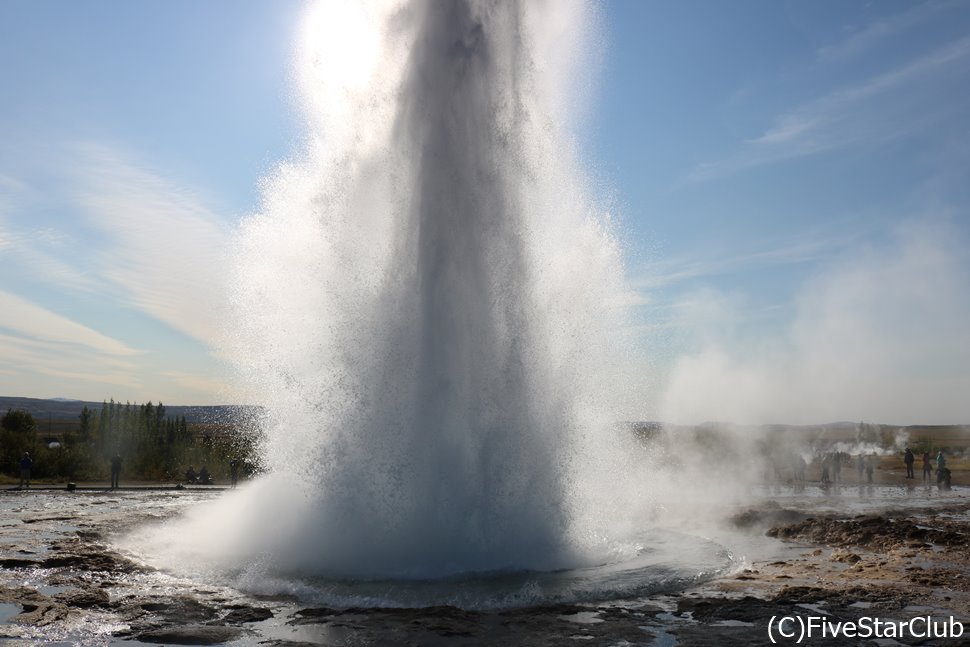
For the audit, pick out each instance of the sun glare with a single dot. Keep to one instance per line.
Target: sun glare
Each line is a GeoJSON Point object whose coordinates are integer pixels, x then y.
{"type": "Point", "coordinates": [340, 49]}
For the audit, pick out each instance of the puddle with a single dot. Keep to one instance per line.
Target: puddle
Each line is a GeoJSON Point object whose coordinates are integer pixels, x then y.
{"type": "Point", "coordinates": [661, 638]}
{"type": "Point", "coordinates": [8, 610]}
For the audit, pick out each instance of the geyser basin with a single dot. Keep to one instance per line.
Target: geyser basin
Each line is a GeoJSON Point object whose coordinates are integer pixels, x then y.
{"type": "Point", "coordinates": [667, 561]}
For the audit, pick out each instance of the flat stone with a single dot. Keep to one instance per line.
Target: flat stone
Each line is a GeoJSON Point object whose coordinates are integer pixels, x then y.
{"type": "Point", "coordinates": [190, 635]}
{"type": "Point", "coordinates": [242, 614]}
{"type": "Point", "coordinates": [84, 598]}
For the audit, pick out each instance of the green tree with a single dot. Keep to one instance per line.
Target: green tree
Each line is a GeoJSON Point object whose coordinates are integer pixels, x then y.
{"type": "Point", "coordinates": [86, 426]}
{"type": "Point", "coordinates": [18, 434]}
{"type": "Point", "coordinates": [19, 421]}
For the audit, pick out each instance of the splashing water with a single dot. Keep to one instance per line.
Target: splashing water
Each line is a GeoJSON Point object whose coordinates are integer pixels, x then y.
{"type": "Point", "coordinates": [426, 305]}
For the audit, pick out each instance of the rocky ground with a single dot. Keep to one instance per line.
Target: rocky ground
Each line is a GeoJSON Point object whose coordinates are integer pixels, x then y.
{"type": "Point", "coordinates": [69, 585]}
{"type": "Point", "coordinates": [894, 565]}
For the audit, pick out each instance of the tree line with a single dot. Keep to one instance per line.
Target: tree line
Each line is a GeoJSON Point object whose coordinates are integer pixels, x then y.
{"type": "Point", "coordinates": [153, 446]}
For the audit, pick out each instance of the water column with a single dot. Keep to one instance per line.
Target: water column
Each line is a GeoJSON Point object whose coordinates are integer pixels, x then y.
{"type": "Point", "coordinates": [423, 300]}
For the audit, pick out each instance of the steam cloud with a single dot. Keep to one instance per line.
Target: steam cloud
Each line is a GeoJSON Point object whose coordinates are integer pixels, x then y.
{"type": "Point", "coordinates": [879, 334]}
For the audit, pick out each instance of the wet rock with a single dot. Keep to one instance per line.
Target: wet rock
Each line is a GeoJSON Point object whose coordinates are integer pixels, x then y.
{"type": "Point", "coordinates": [46, 519]}
{"type": "Point", "coordinates": [313, 615]}
{"type": "Point", "coordinates": [91, 562]}
{"type": "Point", "coordinates": [547, 626]}
{"type": "Point", "coordinates": [84, 598]}
{"type": "Point", "coordinates": [37, 609]}
{"type": "Point", "coordinates": [885, 597]}
{"type": "Point", "coordinates": [41, 613]}
{"type": "Point", "coordinates": [89, 557]}
{"type": "Point", "coordinates": [704, 636]}
{"type": "Point", "coordinates": [746, 609]}
{"type": "Point", "coordinates": [241, 614]}
{"type": "Point", "coordinates": [765, 516]}
{"type": "Point", "coordinates": [318, 614]}
{"type": "Point", "coordinates": [190, 635]}
{"type": "Point", "coordinates": [875, 531]}
{"type": "Point", "coordinates": [180, 610]}
{"type": "Point", "coordinates": [398, 625]}
{"type": "Point", "coordinates": [16, 562]}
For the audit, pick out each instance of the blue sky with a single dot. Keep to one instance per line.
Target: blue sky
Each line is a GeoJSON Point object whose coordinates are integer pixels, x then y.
{"type": "Point", "coordinates": [789, 181]}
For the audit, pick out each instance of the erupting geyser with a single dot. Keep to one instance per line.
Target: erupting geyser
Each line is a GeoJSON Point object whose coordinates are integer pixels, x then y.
{"type": "Point", "coordinates": [427, 307]}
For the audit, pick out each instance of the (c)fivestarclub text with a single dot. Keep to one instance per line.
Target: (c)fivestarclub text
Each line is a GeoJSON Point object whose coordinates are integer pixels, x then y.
{"type": "Point", "coordinates": [798, 629]}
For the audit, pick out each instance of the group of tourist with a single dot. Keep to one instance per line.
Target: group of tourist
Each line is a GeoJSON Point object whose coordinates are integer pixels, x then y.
{"type": "Point", "coordinates": [910, 459]}
{"type": "Point", "coordinates": [203, 477]}
{"type": "Point", "coordinates": [831, 464]}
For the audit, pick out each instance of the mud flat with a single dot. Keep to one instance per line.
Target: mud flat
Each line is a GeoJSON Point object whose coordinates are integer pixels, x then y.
{"type": "Point", "coordinates": [62, 581]}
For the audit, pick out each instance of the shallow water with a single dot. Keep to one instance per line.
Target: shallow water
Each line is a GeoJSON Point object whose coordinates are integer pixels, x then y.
{"type": "Point", "coordinates": [665, 560]}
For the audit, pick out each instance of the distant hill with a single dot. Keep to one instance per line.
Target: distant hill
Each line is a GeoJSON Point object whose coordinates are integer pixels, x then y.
{"type": "Point", "coordinates": [64, 409]}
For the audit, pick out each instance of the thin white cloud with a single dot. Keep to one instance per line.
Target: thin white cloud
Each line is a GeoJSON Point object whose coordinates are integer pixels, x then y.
{"type": "Point", "coordinates": [38, 366]}
{"type": "Point", "coordinates": [43, 263]}
{"type": "Point", "coordinates": [672, 271]}
{"type": "Point", "coordinates": [160, 244]}
{"type": "Point", "coordinates": [788, 129]}
{"type": "Point", "coordinates": [126, 236]}
{"type": "Point", "coordinates": [155, 241]}
{"type": "Point", "coordinates": [118, 379]}
{"type": "Point", "coordinates": [45, 254]}
{"type": "Point", "coordinates": [884, 28]}
{"type": "Point", "coordinates": [35, 322]}
{"type": "Point", "coordinates": [11, 188]}
{"type": "Point", "coordinates": [60, 271]}
{"type": "Point", "coordinates": [881, 108]}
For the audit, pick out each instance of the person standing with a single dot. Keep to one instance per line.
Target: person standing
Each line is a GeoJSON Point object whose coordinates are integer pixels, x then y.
{"type": "Point", "coordinates": [233, 472]}
{"type": "Point", "coordinates": [909, 459]}
{"type": "Point", "coordinates": [115, 470]}
{"type": "Point", "coordinates": [927, 467]}
{"type": "Point", "coordinates": [870, 465]}
{"type": "Point", "coordinates": [26, 462]}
